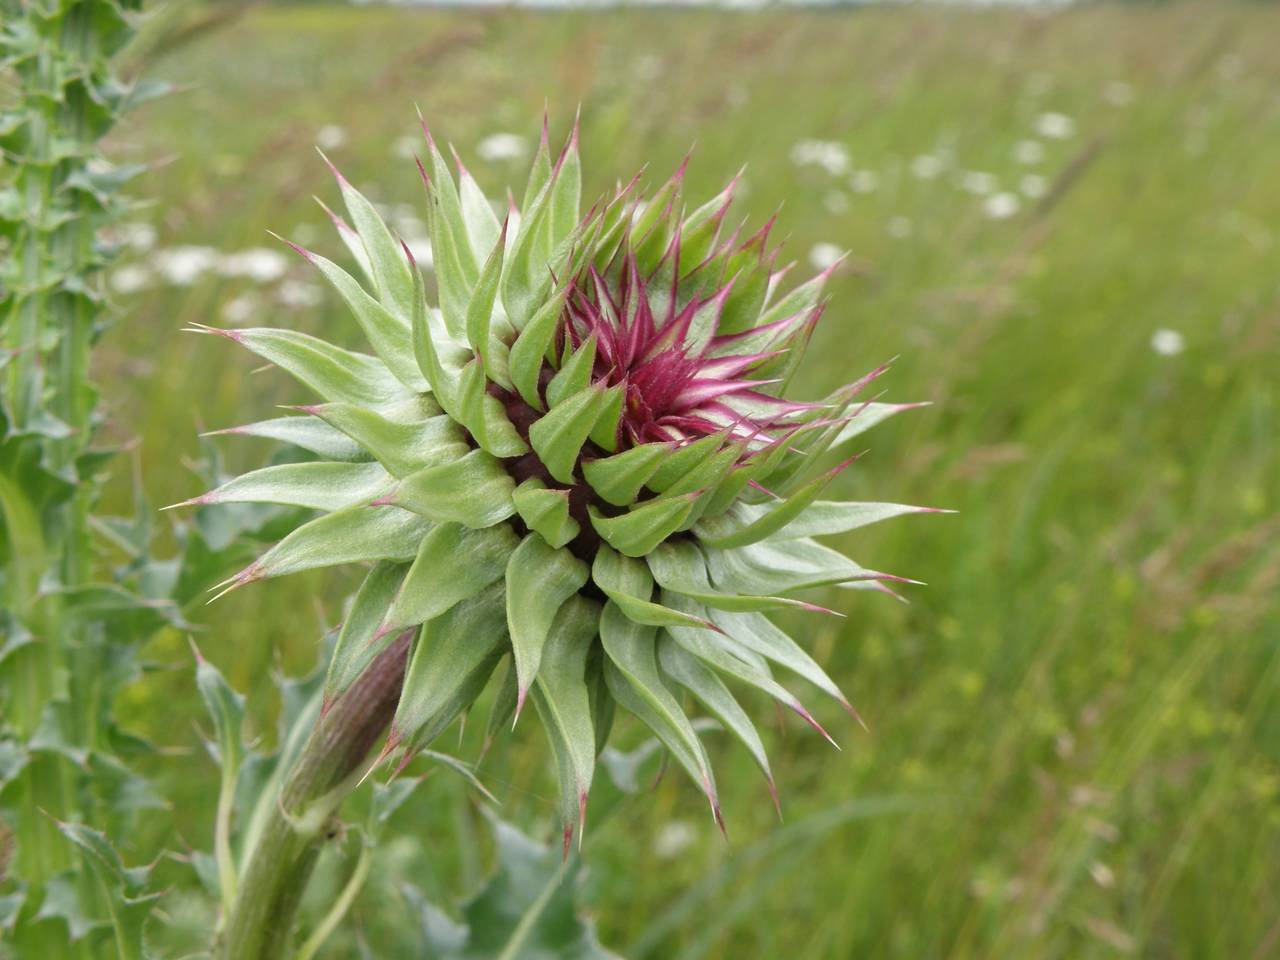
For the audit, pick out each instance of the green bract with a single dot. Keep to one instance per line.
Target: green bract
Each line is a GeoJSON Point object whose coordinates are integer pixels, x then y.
{"type": "Point", "coordinates": [578, 461]}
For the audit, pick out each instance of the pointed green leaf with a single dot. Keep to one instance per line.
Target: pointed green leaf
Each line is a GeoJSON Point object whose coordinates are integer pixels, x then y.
{"type": "Point", "coordinates": [645, 525]}
{"type": "Point", "coordinates": [560, 695]}
{"type": "Point", "coordinates": [330, 371]}
{"type": "Point", "coordinates": [484, 415]}
{"type": "Point", "coordinates": [483, 299]}
{"type": "Point", "coordinates": [317, 485]}
{"type": "Point", "coordinates": [700, 680]}
{"type": "Point", "coordinates": [305, 432]}
{"type": "Point", "coordinates": [558, 436]}
{"type": "Point", "coordinates": [745, 525]}
{"type": "Point", "coordinates": [395, 285]}
{"type": "Point", "coordinates": [546, 511]}
{"type": "Point", "coordinates": [780, 566]}
{"type": "Point", "coordinates": [628, 583]}
{"type": "Point", "coordinates": [618, 479]}
{"type": "Point", "coordinates": [680, 567]}
{"type": "Point", "coordinates": [387, 333]}
{"type": "Point", "coordinates": [403, 444]}
{"type": "Point", "coordinates": [353, 535]}
{"type": "Point", "coordinates": [359, 642]}
{"type": "Point", "coordinates": [482, 226]}
{"type": "Point", "coordinates": [631, 671]}
{"type": "Point", "coordinates": [474, 490]}
{"type": "Point", "coordinates": [451, 662]}
{"type": "Point", "coordinates": [757, 632]}
{"type": "Point", "coordinates": [528, 352]}
{"type": "Point", "coordinates": [539, 579]}
{"type": "Point", "coordinates": [454, 563]}
{"type": "Point", "coordinates": [575, 375]}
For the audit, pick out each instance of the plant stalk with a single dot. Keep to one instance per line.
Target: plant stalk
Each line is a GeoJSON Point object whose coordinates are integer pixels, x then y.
{"type": "Point", "coordinates": [288, 844]}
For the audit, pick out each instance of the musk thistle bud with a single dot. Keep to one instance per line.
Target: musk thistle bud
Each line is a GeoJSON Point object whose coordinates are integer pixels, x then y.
{"type": "Point", "coordinates": [579, 460]}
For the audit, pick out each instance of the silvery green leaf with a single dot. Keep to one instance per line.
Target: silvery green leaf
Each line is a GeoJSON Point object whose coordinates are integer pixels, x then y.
{"type": "Point", "coordinates": [560, 696]}
{"type": "Point", "coordinates": [636, 532]}
{"type": "Point", "coordinates": [629, 584]}
{"type": "Point", "coordinates": [745, 525]}
{"type": "Point", "coordinates": [757, 632]}
{"type": "Point", "coordinates": [728, 657]}
{"type": "Point", "coordinates": [566, 191]}
{"type": "Point", "coordinates": [484, 415]}
{"type": "Point", "coordinates": [546, 512]}
{"type": "Point", "coordinates": [558, 436]}
{"type": "Point", "coordinates": [482, 226]}
{"type": "Point", "coordinates": [526, 277]}
{"type": "Point", "coordinates": [330, 371]}
{"type": "Point", "coordinates": [539, 579]}
{"type": "Point", "coordinates": [479, 314]}
{"type": "Point", "coordinates": [351, 240]}
{"type": "Point", "coordinates": [352, 535]}
{"type": "Point", "coordinates": [474, 490]}
{"type": "Point", "coordinates": [531, 345]}
{"type": "Point", "coordinates": [387, 333]}
{"type": "Point", "coordinates": [826, 517]}
{"type": "Point", "coordinates": [618, 479]}
{"type": "Point", "coordinates": [780, 566]}
{"type": "Point", "coordinates": [680, 567]}
{"type": "Point", "coordinates": [429, 347]}
{"type": "Point", "coordinates": [305, 432]}
{"type": "Point", "coordinates": [403, 445]}
{"type": "Point", "coordinates": [359, 641]}
{"type": "Point", "coordinates": [503, 707]}
{"type": "Point", "coordinates": [681, 462]}
{"type": "Point", "coordinates": [392, 274]}
{"type": "Point", "coordinates": [317, 485]}
{"type": "Point", "coordinates": [692, 674]}
{"type": "Point", "coordinates": [605, 432]}
{"type": "Point", "coordinates": [574, 376]}
{"type": "Point", "coordinates": [454, 563]}
{"type": "Point", "coordinates": [451, 662]}
{"type": "Point", "coordinates": [631, 671]}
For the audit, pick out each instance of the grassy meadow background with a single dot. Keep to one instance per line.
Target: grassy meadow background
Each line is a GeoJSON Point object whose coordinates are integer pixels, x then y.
{"type": "Point", "coordinates": [1074, 745]}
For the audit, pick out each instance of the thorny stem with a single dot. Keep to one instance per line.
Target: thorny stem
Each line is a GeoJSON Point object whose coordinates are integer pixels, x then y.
{"type": "Point", "coordinates": [289, 843]}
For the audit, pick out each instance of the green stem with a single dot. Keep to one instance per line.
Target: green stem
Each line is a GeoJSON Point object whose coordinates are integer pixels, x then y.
{"type": "Point", "coordinates": [288, 844]}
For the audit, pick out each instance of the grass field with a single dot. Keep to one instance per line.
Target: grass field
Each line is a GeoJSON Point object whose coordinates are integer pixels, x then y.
{"type": "Point", "coordinates": [1074, 745]}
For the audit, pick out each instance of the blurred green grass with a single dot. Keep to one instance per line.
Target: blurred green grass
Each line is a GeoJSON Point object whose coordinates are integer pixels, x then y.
{"type": "Point", "coordinates": [1075, 742]}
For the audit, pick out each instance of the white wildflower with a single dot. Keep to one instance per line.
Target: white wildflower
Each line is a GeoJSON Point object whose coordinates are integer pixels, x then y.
{"type": "Point", "coordinates": [830, 156]}
{"type": "Point", "coordinates": [824, 255]}
{"type": "Point", "coordinates": [137, 236]}
{"type": "Point", "coordinates": [240, 309]}
{"type": "Point", "coordinates": [1001, 206]}
{"type": "Point", "coordinates": [926, 166]}
{"type": "Point", "coordinates": [1055, 126]}
{"type": "Point", "coordinates": [864, 181]}
{"type": "Point", "coordinates": [836, 201]}
{"type": "Point", "coordinates": [130, 278]}
{"type": "Point", "coordinates": [182, 266]}
{"type": "Point", "coordinates": [978, 183]}
{"type": "Point", "coordinates": [331, 137]}
{"type": "Point", "coordinates": [1168, 343]}
{"type": "Point", "coordinates": [1028, 151]}
{"type": "Point", "coordinates": [674, 839]}
{"type": "Point", "coordinates": [295, 293]}
{"type": "Point", "coordinates": [406, 147]}
{"type": "Point", "coordinates": [257, 263]}
{"type": "Point", "coordinates": [1033, 186]}
{"type": "Point", "coordinates": [502, 146]}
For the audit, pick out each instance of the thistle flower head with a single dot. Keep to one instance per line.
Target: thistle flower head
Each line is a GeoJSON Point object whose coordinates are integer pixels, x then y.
{"type": "Point", "coordinates": [579, 460]}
